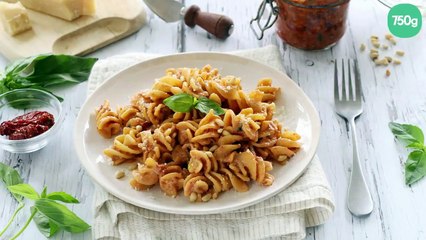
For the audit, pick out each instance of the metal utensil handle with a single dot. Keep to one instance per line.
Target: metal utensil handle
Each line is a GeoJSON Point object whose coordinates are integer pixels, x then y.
{"type": "Point", "coordinates": [359, 198]}
{"type": "Point", "coordinates": [271, 19]}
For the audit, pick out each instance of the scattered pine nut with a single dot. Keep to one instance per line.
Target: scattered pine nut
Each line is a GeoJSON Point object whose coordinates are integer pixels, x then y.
{"type": "Point", "coordinates": [375, 41]}
{"type": "Point", "coordinates": [390, 38]}
{"type": "Point", "coordinates": [133, 166]}
{"type": "Point", "coordinates": [376, 44]}
{"type": "Point", "coordinates": [378, 48]}
{"type": "Point", "coordinates": [400, 53]}
{"type": "Point", "coordinates": [374, 56]}
{"type": "Point", "coordinates": [385, 62]}
{"type": "Point", "coordinates": [119, 174]}
{"type": "Point", "coordinates": [382, 62]}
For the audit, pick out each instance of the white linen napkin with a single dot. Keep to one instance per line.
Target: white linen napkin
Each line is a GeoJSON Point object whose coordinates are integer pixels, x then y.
{"type": "Point", "coordinates": [307, 202]}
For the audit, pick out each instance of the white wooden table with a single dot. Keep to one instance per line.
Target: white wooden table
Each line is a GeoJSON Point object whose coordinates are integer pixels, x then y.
{"type": "Point", "coordinates": [399, 211]}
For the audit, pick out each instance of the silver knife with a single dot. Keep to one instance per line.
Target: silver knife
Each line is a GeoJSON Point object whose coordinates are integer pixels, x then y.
{"type": "Point", "coordinates": [171, 11]}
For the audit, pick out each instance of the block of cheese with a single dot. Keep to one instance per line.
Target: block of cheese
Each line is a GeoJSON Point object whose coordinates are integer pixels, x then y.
{"type": "Point", "coordinates": [65, 9]}
{"type": "Point", "coordinates": [14, 18]}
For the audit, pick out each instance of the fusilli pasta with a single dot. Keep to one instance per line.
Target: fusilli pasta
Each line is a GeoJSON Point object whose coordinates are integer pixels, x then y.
{"type": "Point", "coordinates": [199, 154]}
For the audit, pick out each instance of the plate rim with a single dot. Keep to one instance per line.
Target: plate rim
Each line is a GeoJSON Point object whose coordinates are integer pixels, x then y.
{"type": "Point", "coordinates": [316, 124]}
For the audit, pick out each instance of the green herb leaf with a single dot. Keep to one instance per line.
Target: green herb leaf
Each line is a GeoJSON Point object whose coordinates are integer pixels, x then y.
{"type": "Point", "coordinates": [407, 133]}
{"type": "Point", "coordinates": [415, 167]}
{"type": "Point", "coordinates": [61, 215]}
{"type": "Point", "coordinates": [184, 102]}
{"type": "Point", "coordinates": [44, 192]}
{"type": "Point", "coordinates": [62, 196]}
{"type": "Point", "coordinates": [24, 190]}
{"type": "Point", "coordinates": [205, 105]}
{"type": "Point", "coordinates": [51, 70]}
{"type": "Point", "coordinates": [181, 102]}
{"type": "Point", "coordinates": [10, 177]}
{"type": "Point", "coordinates": [416, 145]}
{"type": "Point", "coordinates": [47, 227]}
{"type": "Point", "coordinates": [44, 71]}
{"type": "Point", "coordinates": [48, 215]}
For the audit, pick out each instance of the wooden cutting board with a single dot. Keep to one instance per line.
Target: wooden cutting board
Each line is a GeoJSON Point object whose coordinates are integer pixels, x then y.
{"type": "Point", "coordinates": [114, 19]}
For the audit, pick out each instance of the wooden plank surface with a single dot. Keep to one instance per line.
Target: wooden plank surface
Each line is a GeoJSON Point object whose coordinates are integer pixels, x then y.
{"type": "Point", "coordinates": [398, 211]}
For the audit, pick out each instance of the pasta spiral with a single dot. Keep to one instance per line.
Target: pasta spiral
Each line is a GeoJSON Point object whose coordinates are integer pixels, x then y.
{"type": "Point", "coordinates": [107, 122]}
{"type": "Point", "coordinates": [125, 147]}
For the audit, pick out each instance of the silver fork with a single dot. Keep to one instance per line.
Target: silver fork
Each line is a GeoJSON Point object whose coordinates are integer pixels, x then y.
{"type": "Point", "coordinates": [349, 106]}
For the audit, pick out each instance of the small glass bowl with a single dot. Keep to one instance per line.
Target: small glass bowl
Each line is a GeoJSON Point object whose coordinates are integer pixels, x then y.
{"type": "Point", "coordinates": [11, 106]}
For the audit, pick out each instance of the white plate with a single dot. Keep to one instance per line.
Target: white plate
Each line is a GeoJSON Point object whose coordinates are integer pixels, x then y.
{"type": "Point", "coordinates": [299, 115]}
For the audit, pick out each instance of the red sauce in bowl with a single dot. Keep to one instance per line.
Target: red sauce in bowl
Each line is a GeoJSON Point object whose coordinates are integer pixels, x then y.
{"type": "Point", "coordinates": [28, 125]}
{"type": "Point", "coordinates": [312, 24]}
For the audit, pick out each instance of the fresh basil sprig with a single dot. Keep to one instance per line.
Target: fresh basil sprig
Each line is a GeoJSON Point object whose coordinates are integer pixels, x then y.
{"type": "Point", "coordinates": [47, 213]}
{"type": "Point", "coordinates": [412, 136]}
{"type": "Point", "coordinates": [44, 71]}
{"type": "Point", "coordinates": [184, 102]}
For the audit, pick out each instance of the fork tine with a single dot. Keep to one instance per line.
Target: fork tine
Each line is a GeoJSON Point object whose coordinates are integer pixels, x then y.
{"type": "Point", "coordinates": [344, 98]}
{"type": "Point", "coordinates": [336, 82]}
{"type": "Point", "coordinates": [358, 87]}
{"type": "Point", "coordinates": [351, 95]}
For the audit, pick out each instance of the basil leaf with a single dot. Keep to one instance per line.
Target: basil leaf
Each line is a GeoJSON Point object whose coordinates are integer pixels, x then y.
{"type": "Point", "coordinates": [44, 192]}
{"type": "Point", "coordinates": [62, 196]}
{"type": "Point", "coordinates": [44, 71]}
{"type": "Point", "coordinates": [407, 133]}
{"type": "Point", "coordinates": [20, 64]}
{"type": "Point", "coordinates": [24, 190]}
{"type": "Point", "coordinates": [181, 102]}
{"type": "Point", "coordinates": [415, 167]}
{"type": "Point", "coordinates": [416, 145]}
{"type": "Point", "coordinates": [47, 227]}
{"type": "Point", "coordinates": [10, 177]}
{"type": "Point", "coordinates": [51, 70]}
{"type": "Point", "coordinates": [204, 105]}
{"type": "Point", "coordinates": [61, 215]}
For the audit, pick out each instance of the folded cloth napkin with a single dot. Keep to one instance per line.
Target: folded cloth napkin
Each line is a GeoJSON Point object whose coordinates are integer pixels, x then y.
{"type": "Point", "coordinates": [307, 202]}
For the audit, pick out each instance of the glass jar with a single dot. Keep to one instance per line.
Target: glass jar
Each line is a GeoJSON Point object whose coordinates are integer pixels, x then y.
{"type": "Point", "coordinates": [307, 24]}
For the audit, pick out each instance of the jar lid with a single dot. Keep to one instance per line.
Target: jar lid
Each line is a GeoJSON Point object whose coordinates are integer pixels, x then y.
{"type": "Point", "coordinates": [315, 3]}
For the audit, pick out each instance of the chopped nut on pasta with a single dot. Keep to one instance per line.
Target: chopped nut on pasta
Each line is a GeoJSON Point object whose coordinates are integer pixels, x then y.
{"type": "Point", "coordinates": [199, 154]}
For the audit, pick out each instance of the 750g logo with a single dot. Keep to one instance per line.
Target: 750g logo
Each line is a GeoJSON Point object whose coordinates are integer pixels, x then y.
{"type": "Point", "coordinates": [404, 20]}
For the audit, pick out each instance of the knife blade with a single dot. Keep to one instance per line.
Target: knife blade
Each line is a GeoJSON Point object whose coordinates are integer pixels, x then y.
{"type": "Point", "coordinates": [171, 11]}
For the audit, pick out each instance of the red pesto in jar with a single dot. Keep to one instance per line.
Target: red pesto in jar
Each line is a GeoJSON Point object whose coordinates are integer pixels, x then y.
{"type": "Point", "coordinates": [27, 126]}
{"type": "Point", "coordinates": [312, 24]}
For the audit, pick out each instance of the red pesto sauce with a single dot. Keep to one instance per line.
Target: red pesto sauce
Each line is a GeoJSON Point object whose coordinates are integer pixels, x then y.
{"type": "Point", "coordinates": [311, 28]}
{"type": "Point", "coordinates": [27, 126]}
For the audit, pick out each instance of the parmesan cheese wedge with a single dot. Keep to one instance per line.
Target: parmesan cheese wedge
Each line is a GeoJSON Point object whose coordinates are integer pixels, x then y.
{"type": "Point", "coordinates": [65, 9]}
{"type": "Point", "coordinates": [14, 18]}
